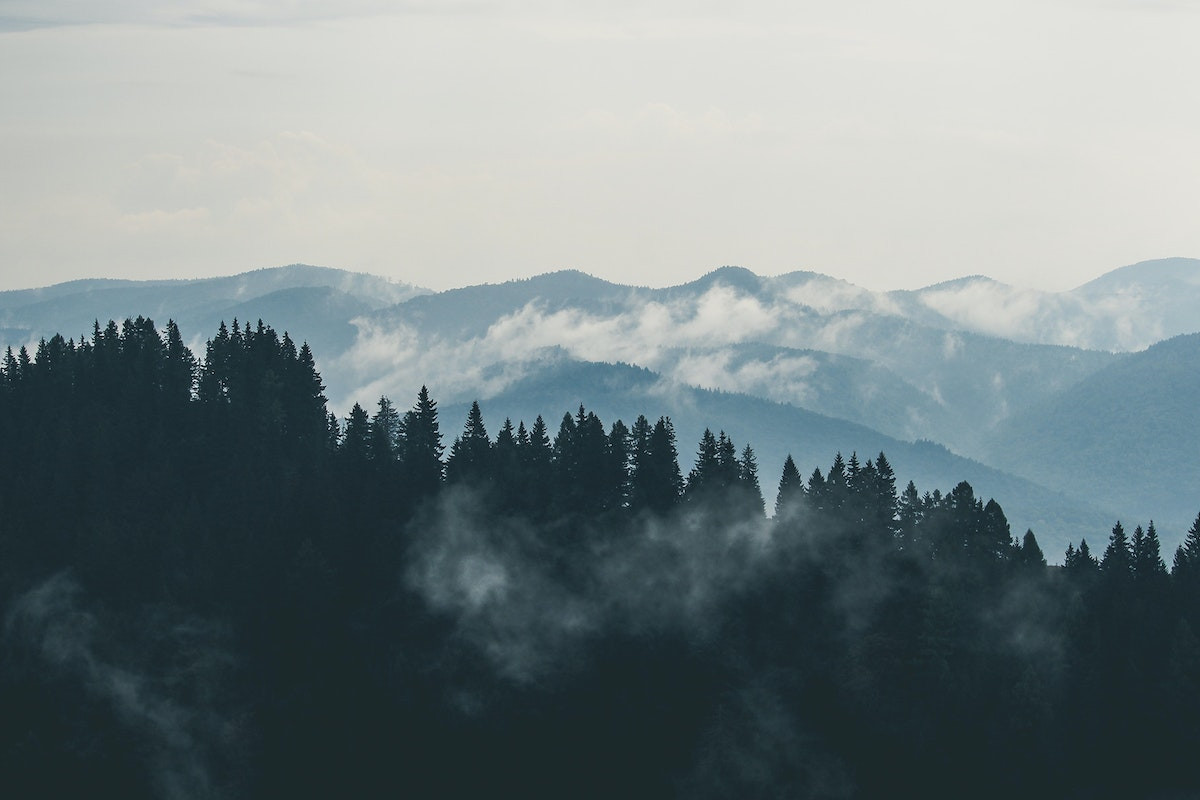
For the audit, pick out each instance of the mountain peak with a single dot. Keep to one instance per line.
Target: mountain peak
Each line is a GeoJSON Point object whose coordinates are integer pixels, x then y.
{"type": "Point", "coordinates": [735, 277]}
{"type": "Point", "coordinates": [959, 283]}
{"type": "Point", "coordinates": [1159, 272]}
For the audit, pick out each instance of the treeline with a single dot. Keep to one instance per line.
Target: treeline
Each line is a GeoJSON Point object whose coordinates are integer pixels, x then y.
{"type": "Point", "coordinates": [213, 586]}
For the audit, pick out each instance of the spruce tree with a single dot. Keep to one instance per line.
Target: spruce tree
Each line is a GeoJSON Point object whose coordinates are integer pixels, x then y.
{"type": "Point", "coordinates": [1031, 554]}
{"type": "Point", "coordinates": [818, 490]}
{"type": "Point", "coordinates": [384, 441]}
{"type": "Point", "coordinates": [1147, 556]}
{"type": "Point", "coordinates": [356, 438]}
{"type": "Point", "coordinates": [421, 446]}
{"type": "Point", "coordinates": [620, 465]}
{"type": "Point", "coordinates": [705, 470]}
{"type": "Point", "coordinates": [658, 480]}
{"type": "Point", "coordinates": [1118, 558]}
{"type": "Point", "coordinates": [790, 497]}
{"type": "Point", "coordinates": [748, 482]}
{"type": "Point", "coordinates": [470, 459]}
{"type": "Point", "coordinates": [837, 489]}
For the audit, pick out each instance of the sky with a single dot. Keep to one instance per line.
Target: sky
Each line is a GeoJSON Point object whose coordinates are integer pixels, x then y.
{"type": "Point", "coordinates": [895, 145]}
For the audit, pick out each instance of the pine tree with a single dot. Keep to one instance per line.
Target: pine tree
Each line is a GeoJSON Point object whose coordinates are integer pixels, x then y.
{"type": "Point", "coordinates": [421, 446]}
{"type": "Point", "coordinates": [537, 462]}
{"type": "Point", "coordinates": [657, 480]}
{"type": "Point", "coordinates": [996, 536]}
{"type": "Point", "coordinates": [886, 505]}
{"type": "Point", "coordinates": [1030, 553]}
{"type": "Point", "coordinates": [384, 440]}
{"type": "Point", "coordinates": [818, 494]}
{"type": "Point", "coordinates": [855, 483]}
{"type": "Point", "coordinates": [1087, 562]}
{"type": "Point", "coordinates": [470, 457]}
{"type": "Point", "coordinates": [790, 498]}
{"type": "Point", "coordinates": [1147, 556]}
{"type": "Point", "coordinates": [748, 481]}
{"type": "Point", "coordinates": [509, 471]}
{"type": "Point", "coordinates": [837, 489]}
{"type": "Point", "coordinates": [1187, 560]}
{"type": "Point", "coordinates": [910, 512]}
{"type": "Point", "coordinates": [706, 468]}
{"type": "Point", "coordinates": [639, 463]}
{"type": "Point", "coordinates": [728, 468]}
{"type": "Point", "coordinates": [356, 438]}
{"type": "Point", "coordinates": [179, 379]}
{"type": "Point", "coordinates": [1118, 558]}
{"type": "Point", "coordinates": [620, 465]}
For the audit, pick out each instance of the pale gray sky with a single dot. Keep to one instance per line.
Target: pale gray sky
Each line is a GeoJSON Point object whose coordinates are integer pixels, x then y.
{"type": "Point", "coordinates": [1041, 142]}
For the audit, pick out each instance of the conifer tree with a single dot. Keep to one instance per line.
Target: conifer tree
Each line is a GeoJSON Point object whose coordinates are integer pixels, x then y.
{"type": "Point", "coordinates": [706, 468]}
{"type": "Point", "coordinates": [728, 468]}
{"type": "Point", "coordinates": [509, 470]}
{"type": "Point", "coordinates": [886, 503]}
{"type": "Point", "coordinates": [1118, 558]}
{"type": "Point", "coordinates": [748, 481]}
{"type": "Point", "coordinates": [356, 439]}
{"type": "Point", "coordinates": [1087, 562]}
{"type": "Point", "coordinates": [384, 440]}
{"type": "Point", "coordinates": [421, 446]}
{"type": "Point", "coordinates": [657, 482]}
{"type": "Point", "coordinates": [620, 465]}
{"type": "Point", "coordinates": [540, 451]}
{"type": "Point", "coordinates": [179, 378]}
{"type": "Point", "coordinates": [910, 512]}
{"type": "Point", "coordinates": [1147, 557]}
{"type": "Point", "coordinates": [1030, 553]}
{"type": "Point", "coordinates": [855, 483]}
{"type": "Point", "coordinates": [1187, 558]}
{"type": "Point", "coordinates": [790, 497]}
{"type": "Point", "coordinates": [818, 490]}
{"type": "Point", "coordinates": [837, 489]}
{"type": "Point", "coordinates": [470, 458]}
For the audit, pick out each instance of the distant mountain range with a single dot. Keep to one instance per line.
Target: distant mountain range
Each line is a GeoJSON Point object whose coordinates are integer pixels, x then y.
{"type": "Point", "coordinates": [1057, 403]}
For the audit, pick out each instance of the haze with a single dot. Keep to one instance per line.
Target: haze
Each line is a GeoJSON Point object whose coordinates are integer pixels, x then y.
{"type": "Point", "coordinates": [448, 143]}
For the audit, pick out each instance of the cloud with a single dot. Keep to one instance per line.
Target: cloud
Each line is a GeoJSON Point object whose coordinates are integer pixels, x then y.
{"type": "Point", "coordinates": [53, 623]}
{"type": "Point", "coordinates": [672, 337]}
{"type": "Point", "coordinates": [1120, 321]}
{"type": "Point", "coordinates": [496, 578]}
{"type": "Point", "coordinates": [828, 296]}
{"type": "Point", "coordinates": [25, 15]}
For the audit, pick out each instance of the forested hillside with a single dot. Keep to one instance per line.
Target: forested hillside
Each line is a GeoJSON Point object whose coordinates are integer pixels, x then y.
{"type": "Point", "coordinates": [213, 587]}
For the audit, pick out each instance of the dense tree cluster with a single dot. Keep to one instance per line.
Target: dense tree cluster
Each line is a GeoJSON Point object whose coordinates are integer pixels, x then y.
{"type": "Point", "coordinates": [213, 586]}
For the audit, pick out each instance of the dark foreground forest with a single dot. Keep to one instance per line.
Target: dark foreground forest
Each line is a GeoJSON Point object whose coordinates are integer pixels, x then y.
{"type": "Point", "coordinates": [211, 587]}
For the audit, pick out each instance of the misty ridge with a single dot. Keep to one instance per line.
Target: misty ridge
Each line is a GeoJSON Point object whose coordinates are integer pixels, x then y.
{"type": "Point", "coordinates": [215, 586]}
{"type": "Point", "coordinates": [969, 379]}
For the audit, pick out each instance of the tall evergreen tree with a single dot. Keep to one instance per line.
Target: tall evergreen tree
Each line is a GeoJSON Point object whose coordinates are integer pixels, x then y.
{"type": "Point", "coordinates": [1147, 554]}
{"type": "Point", "coordinates": [657, 480]}
{"type": "Point", "coordinates": [1118, 558]}
{"type": "Point", "coordinates": [384, 440]}
{"type": "Point", "coordinates": [837, 488]}
{"type": "Point", "coordinates": [1189, 558]}
{"type": "Point", "coordinates": [818, 490]}
{"type": "Point", "coordinates": [748, 481]}
{"type": "Point", "coordinates": [706, 469]}
{"type": "Point", "coordinates": [356, 437]}
{"type": "Point", "coordinates": [421, 446]}
{"type": "Point", "coordinates": [620, 465]}
{"type": "Point", "coordinates": [790, 498]}
{"type": "Point", "coordinates": [1030, 553]}
{"type": "Point", "coordinates": [470, 459]}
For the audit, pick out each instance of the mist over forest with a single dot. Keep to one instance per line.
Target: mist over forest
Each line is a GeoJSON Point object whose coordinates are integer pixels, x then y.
{"type": "Point", "coordinates": [215, 585]}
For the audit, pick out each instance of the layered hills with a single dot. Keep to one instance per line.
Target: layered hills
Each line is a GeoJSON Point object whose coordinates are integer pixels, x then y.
{"type": "Point", "coordinates": [1051, 402]}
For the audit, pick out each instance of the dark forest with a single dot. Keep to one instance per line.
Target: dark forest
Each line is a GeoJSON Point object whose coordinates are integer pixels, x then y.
{"type": "Point", "coordinates": [210, 586]}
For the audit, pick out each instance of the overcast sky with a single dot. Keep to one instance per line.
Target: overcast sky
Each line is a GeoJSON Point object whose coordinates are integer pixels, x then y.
{"type": "Point", "coordinates": [1041, 142]}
